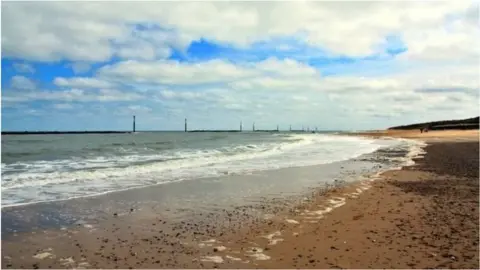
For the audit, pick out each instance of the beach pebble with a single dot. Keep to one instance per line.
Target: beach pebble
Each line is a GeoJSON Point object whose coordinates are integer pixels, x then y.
{"type": "Point", "coordinates": [67, 261]}
{"type": "Point", "coordinates": [233, 258]}
{"type": "Point", "coordinates": [292, 221]}
{"type": "Point", "coordinates": [260, 257]}
{"type": "Point", "coordinates": [219, 248]}
{"type": "Point", "coordinates": [42, 255]}
{"type": "Point", "coordinates": [210, 241]}
{"type": "Point", "coordinates": [215, 259]}
{"type": "Point", "coordinates": [83, 265]}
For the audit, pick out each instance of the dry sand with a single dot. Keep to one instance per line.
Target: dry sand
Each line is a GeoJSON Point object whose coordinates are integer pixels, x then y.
{"type": "Point", "coordinates": [440, 135]}
{"type": "Point", "coordinates": [425, 216]}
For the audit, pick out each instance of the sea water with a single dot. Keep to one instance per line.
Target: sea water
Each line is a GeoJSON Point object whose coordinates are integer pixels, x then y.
{"type": "Point", "coordinates": [39, 168]}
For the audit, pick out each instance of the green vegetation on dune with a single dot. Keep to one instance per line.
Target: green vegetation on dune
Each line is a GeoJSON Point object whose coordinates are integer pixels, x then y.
{"type": "Point", "coordinates": [470, 123]}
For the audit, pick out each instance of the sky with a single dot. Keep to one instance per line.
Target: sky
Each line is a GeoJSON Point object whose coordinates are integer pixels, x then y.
{"type": "Point", "coordinates": [332, 65]}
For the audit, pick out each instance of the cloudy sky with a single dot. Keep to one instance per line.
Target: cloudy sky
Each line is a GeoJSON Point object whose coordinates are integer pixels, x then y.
{"type": "Point", "coordinates": [334, 65]}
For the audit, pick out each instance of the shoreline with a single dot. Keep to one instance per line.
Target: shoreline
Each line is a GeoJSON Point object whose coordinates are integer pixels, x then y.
{"type": "Point", "coordinates": [181, 192]}
{"type": "Point", "coordinates": [403, 219]}
{"type": "Point", "coordinates": [284, 239]}
{"type": "Point", "coordinates": [176, 178]}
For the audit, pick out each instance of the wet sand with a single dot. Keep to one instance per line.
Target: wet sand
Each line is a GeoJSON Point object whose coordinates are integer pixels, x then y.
{"type": "Point", "coordinates": [420, 217]}
{"type": "Point", "coordinates": [425, 216]}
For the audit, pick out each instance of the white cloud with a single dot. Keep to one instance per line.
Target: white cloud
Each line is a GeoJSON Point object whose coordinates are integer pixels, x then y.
{"type": "Point", "coordinates": [81, 82]}
{"type": "Point", "coordinates": [268, 72]}
{"type": "Point", "coordinates": [22, 83]}
{"type": "Point", "coordinates": [438, 72]}
{"type": "Point", "coordinates": [458, 43]}
{"type": "Point", "coordinates": [286, 68]}
{"type": "Point", "coordinates": [63, 106]}
{"type": "Point", "coordinates": [141, 52]}
{"type": "Point", "coordinates": [173, 72]}
{"type": "Point", "coordinates": [186, 95]}
{"type": "Point", "coordinates": [276, 84]}
{"type": "Point", "coordinates": [138, 48]}
{"type": "Point", "coordinates": [80, 67]}
{"type": "Point", "coordinates": [51, 31]}
{"type": "Point", "coordinates": [137, 108]}
{"type": "Point", "coordinates": [85, 31]}
{"type": "Point", "coordinates": [23, 68]}
{"type": "Point", "coordinates": [134, 109]}
{"type": "Point", "coordinates": [269, 88]}
{"type": "Point", "coordinates": [245, 85]}
{"type": "Point", "coordinates": [33, 112]}
{"type": "Point", "coordinates": [71, 95]}
{"type": "Point", "coordinates": [300, 98]}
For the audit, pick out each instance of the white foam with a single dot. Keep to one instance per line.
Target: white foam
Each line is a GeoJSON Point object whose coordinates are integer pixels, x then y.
{"type": "Point", "coordinates": [337, 202]}
{"type": "Point", "coordinates": [207, 243]}
{"type": "Point", "coordinates": [260, 257]}
{"type": "Point", "coordinates": [83, 265]}
{"type": "Point", "coordinates": [416, 150]}
{"type": "Point", "coordinates": [275, 241]}
{"type": "Point", "coordinates": [257, 254]}
{"type": "Point", "coordinates": [221, 248]}
{"type": "Point", "coordinates": [215, 259]}
{"type": "Point", "coordinates": [67, 261]}
{"type": "Point", "coordinates": [292, 221]}
{"type": "Point", "coordinates": [43, 255]}
{"type": "Point", "coordinates": [39, 181]}
{"type": "Point", "coordinates": [210, 241]}
{"type": "Point", "coordinates": [271, 238]}
{"type": "Point", "coordinates": [232, 258]}
{"type": "Point", "coordinates": [364, 188]}
{"type": "Point", "coordinates": [334, 202]}
{"type": "Point", "coordinates": [268, 216]}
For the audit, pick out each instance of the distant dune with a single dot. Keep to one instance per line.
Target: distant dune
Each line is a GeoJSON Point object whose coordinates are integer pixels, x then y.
{"type": "Point", "coordinates": [470, 123]}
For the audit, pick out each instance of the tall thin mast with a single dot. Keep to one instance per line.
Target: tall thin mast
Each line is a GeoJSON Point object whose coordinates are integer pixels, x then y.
{"type": "Point", "coordinates": [134, 123]}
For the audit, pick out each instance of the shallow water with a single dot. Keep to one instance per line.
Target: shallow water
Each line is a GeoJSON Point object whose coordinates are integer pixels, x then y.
{"type": "Point", "coordinates": [40, 168]}
{"type": "Point", "coordinates": [187, 200]}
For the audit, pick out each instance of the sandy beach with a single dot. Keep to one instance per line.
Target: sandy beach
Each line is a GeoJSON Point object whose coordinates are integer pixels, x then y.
{"type": "Point", "coordinates": [434, 135]}
{"type": "Point", "coordinates": [423, 216]}
{"type": "Point", "coordinates": [227, 135]}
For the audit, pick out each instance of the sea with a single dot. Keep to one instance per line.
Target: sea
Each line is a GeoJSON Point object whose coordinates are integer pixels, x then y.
{"type": "Point", "coordinates": [46, 168]}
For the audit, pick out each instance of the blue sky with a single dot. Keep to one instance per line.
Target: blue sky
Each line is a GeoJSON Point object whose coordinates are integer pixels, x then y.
{"type": "Point", "coordinates": [65, 67]}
